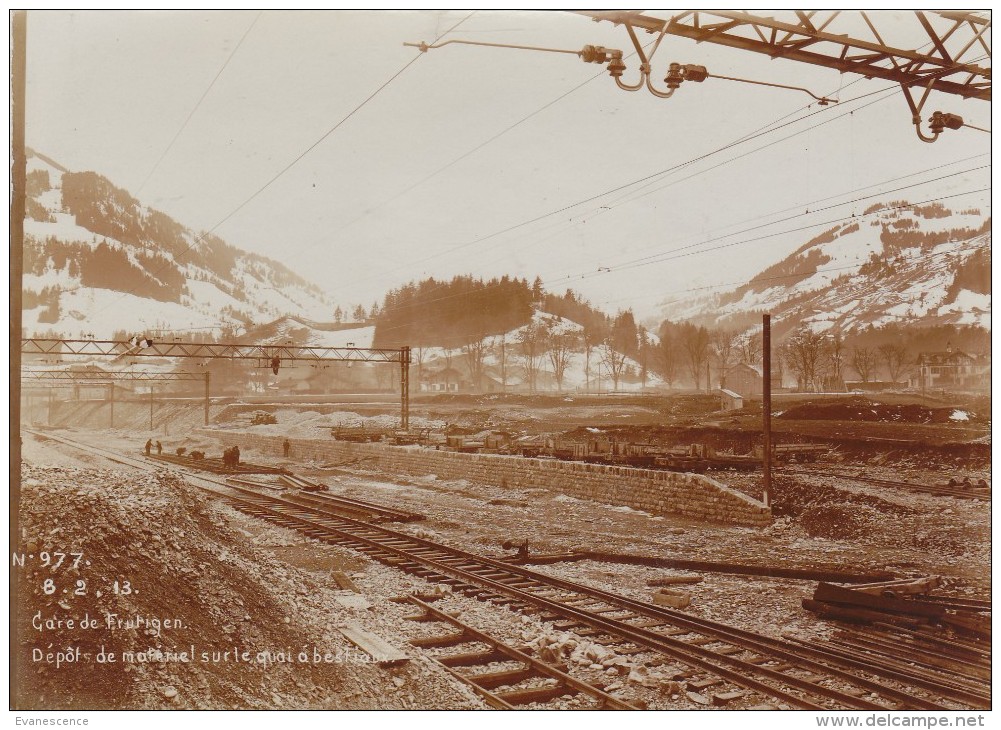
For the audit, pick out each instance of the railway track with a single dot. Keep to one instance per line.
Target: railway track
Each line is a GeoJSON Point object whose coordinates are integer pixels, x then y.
{"type": "Point", "coordinates": [959, 492]}
{"type": "Point", "coordinates": [485, 664]}
{"type": "Point", "coordinates": [731, 664]}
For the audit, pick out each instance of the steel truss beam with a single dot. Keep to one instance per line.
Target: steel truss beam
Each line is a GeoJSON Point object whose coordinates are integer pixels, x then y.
{"type": "Point", "coordinates": [808, 40]}
{"type": "Point", "coordinates": [267, 354]}
{"type": "Point", "coordinates": [207, 351]}
{"type": "Point", "coordinates": [90, 376]}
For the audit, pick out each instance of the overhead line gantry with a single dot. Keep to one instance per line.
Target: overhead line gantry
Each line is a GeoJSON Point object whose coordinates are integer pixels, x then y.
{"type": "Point", "coordinates": [271, 355]}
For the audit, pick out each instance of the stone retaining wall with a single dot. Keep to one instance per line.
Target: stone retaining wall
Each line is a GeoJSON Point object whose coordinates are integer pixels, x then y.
{"type": "Point", "coordinates": [657, 492]}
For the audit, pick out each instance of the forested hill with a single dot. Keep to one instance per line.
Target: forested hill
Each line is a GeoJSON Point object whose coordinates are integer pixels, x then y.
{"type": "Point", "coordinates": [438, 313]}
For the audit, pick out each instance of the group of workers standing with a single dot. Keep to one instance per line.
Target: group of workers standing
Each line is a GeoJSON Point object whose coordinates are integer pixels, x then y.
{"type": "Point", "coordinates": [230, 457]}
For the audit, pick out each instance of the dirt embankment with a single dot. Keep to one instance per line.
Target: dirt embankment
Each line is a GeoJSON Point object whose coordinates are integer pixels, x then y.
{"type": "Point", "coordinates": [197, 615]}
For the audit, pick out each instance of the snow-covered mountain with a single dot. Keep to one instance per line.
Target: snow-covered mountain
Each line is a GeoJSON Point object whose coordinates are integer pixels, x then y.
{"type": "Point", "coordinates": [920, 265]}
{"type": "Point", "coordinates": [97, 261]}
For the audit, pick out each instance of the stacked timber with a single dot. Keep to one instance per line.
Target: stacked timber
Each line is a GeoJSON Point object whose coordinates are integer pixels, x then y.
{"type": "Point", "coordinates": [906, 603]}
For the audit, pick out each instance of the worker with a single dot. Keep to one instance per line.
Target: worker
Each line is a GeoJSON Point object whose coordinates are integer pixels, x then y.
{"type": "Point", "coordinates": [149, 446]}
{"type": "Point", "coordinates": [159, 448]}
{"type": "Point", "coordinates": [236, 456]}
{"type": "Point", "coordinates": [287, 448]}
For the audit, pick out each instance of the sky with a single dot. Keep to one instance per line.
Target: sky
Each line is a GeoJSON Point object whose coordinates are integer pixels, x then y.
{"type": "Point", "coordinates": [319, 139]}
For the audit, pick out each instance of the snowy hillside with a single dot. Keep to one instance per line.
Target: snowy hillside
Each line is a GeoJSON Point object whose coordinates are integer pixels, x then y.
{"type": "Point", "coordinates": [97, 261]}
{"type": "Point", "coordinates": [916, 265]}
{"type": "Point", "coordinates": [581, 373]}
{"type": "Point", "coordinates": [430, 363]}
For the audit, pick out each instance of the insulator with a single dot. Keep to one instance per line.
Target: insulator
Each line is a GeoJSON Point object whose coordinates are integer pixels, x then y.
{"type": "Point", "coordinates": [594, 54]}
{"type": "Point", "coordinates": [944, 120]}
{"type": "Point", "coordinates": [691, 72]}
{"type": "Point", "coordinates": [616, 67]}
{"type": "Point", "coordinates": [674, 77]}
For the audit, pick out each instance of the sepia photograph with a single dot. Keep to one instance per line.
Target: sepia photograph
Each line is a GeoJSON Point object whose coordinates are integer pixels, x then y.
{"type": "Point", "coordinates": [462, 360]}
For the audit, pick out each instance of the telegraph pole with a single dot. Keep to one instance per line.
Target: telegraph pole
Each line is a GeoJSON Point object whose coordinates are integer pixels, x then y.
{"type": "Point", "coordinates": [766, 403]}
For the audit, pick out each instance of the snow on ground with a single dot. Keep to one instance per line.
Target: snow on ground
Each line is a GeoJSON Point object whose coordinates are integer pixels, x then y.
{"type": "Point", "coordinates": [206, 295]}
{"type": "Point", "coordinates": [64, 228]}
{"type": "Point", "coordinates": [975, 308]}
{"type": "Point", "coordinates": [361, 336]}
{"type": "Point", "coordinates": [103, 311]}
{"type": "Point", "coordinates": [575, 375]}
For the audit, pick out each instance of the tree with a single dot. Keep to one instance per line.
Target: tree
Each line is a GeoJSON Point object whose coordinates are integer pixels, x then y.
{"type": "Point", "coordinates": [561, 343]}
{"type": "Point", "coordinates": [419, 353]}
{"type": "Point", "coordinates": [591, 338]}
{"type": "Point", "coordinates": [667, 355]}
{"type": "Point", "coordinates": [358, 315]}
{"type": "Point", "coordinates": [613, 360]}
{"type": "Point", "coordinates": [373, 313]}
{"type": "Point", "coordinates": [864, 362]}
{"type": "Point", "coordinates": [836, 360]}
{"type": "Point", "coordinates": [749, 349]}
{"type": "Point", "coordinates": [446, 355]}
{"type": "Point", "coordinates": [537, 292]}
{"type": "Point", "coordinates": [894, 354]}
{"type": "Point", "coordinates": [500, 352]}
{"type": "Point", "coordinates": [474, 349]}
{"type": "Point", "coordinates": [723, 343]}
{"type": "Point", "coordinates": [643, 355]}
{"type": "Point", "coordinates": [624, 333]}
{"type": "Point", "coordinates": [338, 314]}
{"type": "Point", "coordinates": [803, 353]}
{"type": "Point", "coordinates": [531, 347]}
{"type": "Point", "coordinates": [695, 343]}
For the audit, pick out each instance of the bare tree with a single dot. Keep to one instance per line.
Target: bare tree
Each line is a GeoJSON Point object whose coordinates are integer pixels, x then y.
{"type": "Point", "coordinates": [446, 355]}
{"type": "Point", "coordinates": [500, 352]}
{"type": "Point", "coordinates": [592, 337]}
{"type": "Point", "coordinates": [894, 354]}
{"type": "Point", "coordinates": [474, 349]}
{"type": "Point", "coordinates": [418, 354]}
{"type": "Point", "coordinates": [667, 358]}
{"type": "Point", "coordinates": [836, 360]}
{"type": "Point", "coordinates": [695, 343]}
{"type": "Point", "coordinates": [864, 362]}
{"type": "Point", "coordinates": [530, 346]}
{"type": "Point", "coordinates": [803, 352]}
{"type": "Point", "coordinates": [561, 344]}
{"type": "Point", "coordinates": [643, 355]}
{"type": "Point", "coordinates": [613, 360]}
{"type": "Point", "coordinates": [723, 344]}
{"type": "Point", "coordinates": [749, 349]}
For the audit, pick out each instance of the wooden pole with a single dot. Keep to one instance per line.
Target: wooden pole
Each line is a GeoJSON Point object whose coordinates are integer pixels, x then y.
{"type": "Point", "coordinates": [151, 407]}
{"type": "Point", "coordinates": [111, 400]}
{"type": "Point", "coordinates": [206, 397]}
{"type": "Point", "coordinates": [766, 403]}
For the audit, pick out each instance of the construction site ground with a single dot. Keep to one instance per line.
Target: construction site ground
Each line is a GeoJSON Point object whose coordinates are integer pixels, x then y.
{"type": "Point", "coordinates": [235, 581]}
